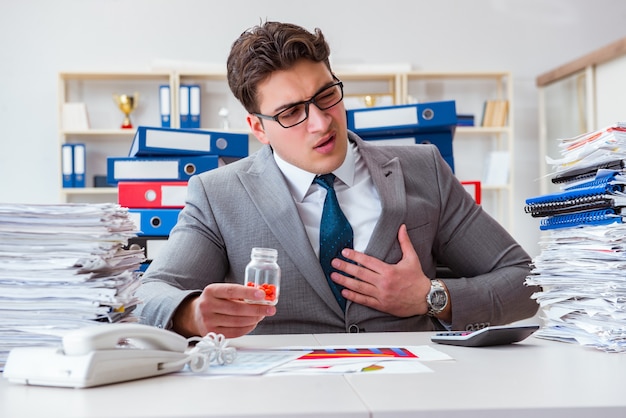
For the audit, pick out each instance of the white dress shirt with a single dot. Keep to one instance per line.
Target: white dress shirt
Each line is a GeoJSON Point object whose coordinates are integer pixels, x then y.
{"type": "Point", "coordinates": [357, 196]}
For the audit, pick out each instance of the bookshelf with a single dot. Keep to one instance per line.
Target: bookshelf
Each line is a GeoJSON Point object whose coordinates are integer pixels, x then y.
{"type": "Point", "coordinates": [476, 148]}
{"type": "Point", "coordinates": [104, 137]}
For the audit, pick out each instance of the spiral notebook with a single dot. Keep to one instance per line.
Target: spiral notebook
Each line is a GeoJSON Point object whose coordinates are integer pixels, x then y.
{"type": "Point", "coordinates": [594, 217]}
{"type": "Point", "coordinates": [581, 173]}
{"type": "Point", "coordinates": [604, 192]}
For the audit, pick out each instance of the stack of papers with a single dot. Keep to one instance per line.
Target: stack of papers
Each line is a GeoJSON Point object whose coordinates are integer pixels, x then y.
{"type": "Point", "coordinates": [590, 149]}
{"type": "Point", "coordinates": [63, 267]}
{"type": "Point", "coordinates": [583, 254]}
{"type": "Point", "coordinates": [583, 300]}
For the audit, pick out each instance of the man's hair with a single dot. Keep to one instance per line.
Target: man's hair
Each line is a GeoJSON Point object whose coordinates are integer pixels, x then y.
{"type": "Point", "coordinates": [266, 48]}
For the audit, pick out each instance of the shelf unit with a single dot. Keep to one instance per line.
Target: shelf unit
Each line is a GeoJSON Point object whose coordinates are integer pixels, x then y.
{"type": "Point", "coordinates": [470, 90]}
{"type": "Point", "coordinates": [472, 145]}
{"type": "Point", "coordinates": [103, 138]}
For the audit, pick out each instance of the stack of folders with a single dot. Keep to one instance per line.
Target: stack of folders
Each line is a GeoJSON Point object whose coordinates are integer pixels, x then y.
{"type": "Point", "coordinates": [63, 267]}
{"type": "Point", "coordinates": [597, 201]}
{"type": "Point", "coordinates": [152, 180]}
{"type": "Point", "coordinates": [582, 260]}
{"type": "Point", "coordinates": [423, 123]}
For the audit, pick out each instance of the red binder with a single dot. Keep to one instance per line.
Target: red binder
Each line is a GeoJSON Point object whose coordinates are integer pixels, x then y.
{"type": "Point", "coordinates": [152, 194]}
{"type": "Point", "coordinates": [473, 188]}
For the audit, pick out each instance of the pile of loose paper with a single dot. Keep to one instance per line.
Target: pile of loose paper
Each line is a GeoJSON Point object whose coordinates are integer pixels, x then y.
{"type": "Point", "coordinates": [63, 267]}
{"type": "Point", "coordinates": [582, 264]}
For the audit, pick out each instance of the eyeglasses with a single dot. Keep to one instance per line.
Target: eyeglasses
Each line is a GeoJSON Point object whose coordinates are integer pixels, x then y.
{"type": "Point", "coordinates": [299, 112]}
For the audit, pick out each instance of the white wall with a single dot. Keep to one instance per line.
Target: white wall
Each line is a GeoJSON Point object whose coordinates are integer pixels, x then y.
{"type": "Point", "coordinates": [39, 38]}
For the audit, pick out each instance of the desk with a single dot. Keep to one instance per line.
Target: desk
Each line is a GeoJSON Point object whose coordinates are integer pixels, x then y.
{"type": "Point", "coordinates": [535, 378]}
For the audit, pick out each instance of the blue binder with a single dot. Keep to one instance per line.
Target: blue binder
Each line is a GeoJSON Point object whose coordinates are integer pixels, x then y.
{"type": "Point", "coordinates": [442, 140]}
{"type": "Point", "coordinates": [80, 163]}
{"type": "Point", "coordinates": [165, 105]}
{"type": "Point", "coordinates": [158, 168]}
{"type": "Point", "coordinates": [183, 105]}
{"type": "Point", "coordinates": [67, 165]}
{"type": "Point", "coordinates": [155, 222]}
{"type": "Point", "coordinates": [151, 141]}
{"type": "Point", "coordinates": [403, 119]}
{"type": "Point", "coordinates": [194, 106]}
{"type": "Point", "coordinates": [588, 218]}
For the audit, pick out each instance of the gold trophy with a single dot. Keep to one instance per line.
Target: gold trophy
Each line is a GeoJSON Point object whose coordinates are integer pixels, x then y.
{"type": "Point", "coordinates": [127, 104]}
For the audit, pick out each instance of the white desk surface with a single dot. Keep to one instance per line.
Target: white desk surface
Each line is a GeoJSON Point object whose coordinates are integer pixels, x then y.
{"type": "Point", "coordinates": [534, 378]}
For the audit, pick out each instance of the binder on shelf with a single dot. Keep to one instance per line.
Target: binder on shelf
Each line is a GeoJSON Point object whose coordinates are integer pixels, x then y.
{"type": "Point", "coordinates": [151, 141]}
{"type": "Point", "coordinates": [183, 105]}
{"type": "Point", "coordinates": [152, 194]}
{"type": "Point", "coordinates": [67, 165]}
{"type": "Point", "coordinates": [464, 120]}
{"type": "Point", "coordinates": [79, 165]}
{"type": "Point", "coordinates": [154, 222]}
{"type": "Point", "coordinates": [587, 218]}
{"type": "Point", "coordinates": [403, 119]}
{"type": "Point", "coordinates": [194, 106]}
{"type": "Point", "coordinates": [442, 140]}
{"type": "Point", "coordinates": [174, 168]}
{"type": "Point", "coordinates": [473, 188]}
{"type": "Point", "coordinates": [165, 105]}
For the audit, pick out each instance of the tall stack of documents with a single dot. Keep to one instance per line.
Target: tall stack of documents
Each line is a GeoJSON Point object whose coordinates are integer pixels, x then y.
{"type": "Point", "coordinates": [583, 250]}
{"type": "Point", "coordinates": [63, 267]}
{"type": "Point", "coordinates": [152, 180]}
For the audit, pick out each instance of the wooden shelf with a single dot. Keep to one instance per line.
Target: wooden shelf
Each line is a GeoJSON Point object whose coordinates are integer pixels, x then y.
{"type": "Point", "coordinates": [96, 89]}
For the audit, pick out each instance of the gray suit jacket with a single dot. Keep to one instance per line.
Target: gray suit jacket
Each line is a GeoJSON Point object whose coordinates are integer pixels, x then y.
{"type": "Point", "coordinates": [247, 204]}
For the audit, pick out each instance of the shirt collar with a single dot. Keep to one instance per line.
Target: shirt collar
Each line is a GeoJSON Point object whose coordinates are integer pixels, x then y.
{"type": "Point", "coordinates": [299, 180]}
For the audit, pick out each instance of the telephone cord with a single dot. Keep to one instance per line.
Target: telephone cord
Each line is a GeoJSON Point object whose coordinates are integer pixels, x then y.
{"type": "Point", "coordinates": [212, 348]}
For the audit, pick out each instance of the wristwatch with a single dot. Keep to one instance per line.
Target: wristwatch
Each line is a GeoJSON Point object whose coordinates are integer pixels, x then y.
{"type": "Point", "coordinates": [437, 298]}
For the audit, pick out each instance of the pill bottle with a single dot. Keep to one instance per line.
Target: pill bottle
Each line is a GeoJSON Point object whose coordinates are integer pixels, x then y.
{"type": "Point", "coordinates": [264, 273]}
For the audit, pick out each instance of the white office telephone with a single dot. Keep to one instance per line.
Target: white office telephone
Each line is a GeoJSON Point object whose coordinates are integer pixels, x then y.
{"type": "Point", "coordinates": [99, 355]}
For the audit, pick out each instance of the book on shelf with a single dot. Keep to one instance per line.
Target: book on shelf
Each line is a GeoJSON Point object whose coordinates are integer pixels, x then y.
{"type": "Point", "coordinates": [464, 119]}
{"type": "Point", "coordinates": [495, 113]}
{"type": "Point", "coordinates": [497, 169]}
{"type": "Point", "coordinates": [74, 117]}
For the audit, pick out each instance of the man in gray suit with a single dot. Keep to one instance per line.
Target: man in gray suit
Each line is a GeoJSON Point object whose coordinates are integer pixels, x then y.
{"type": "Point", "coordinates": [407, 211]}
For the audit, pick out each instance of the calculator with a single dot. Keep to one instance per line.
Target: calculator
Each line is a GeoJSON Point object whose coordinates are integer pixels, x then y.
{"type": "Point", "coordinates": [488, 336]}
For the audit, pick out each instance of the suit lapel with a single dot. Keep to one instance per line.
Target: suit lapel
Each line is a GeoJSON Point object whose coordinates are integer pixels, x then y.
{"type": "Point", "coordinates": [266, 186]}
{"type": "Point", "coordinates": [389, 181]}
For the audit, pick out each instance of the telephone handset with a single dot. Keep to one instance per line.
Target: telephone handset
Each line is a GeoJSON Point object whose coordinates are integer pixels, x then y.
{"type": "Point", "coordinates": [138, 336]}
{"type": "Point", "coordinates": [98, 355]}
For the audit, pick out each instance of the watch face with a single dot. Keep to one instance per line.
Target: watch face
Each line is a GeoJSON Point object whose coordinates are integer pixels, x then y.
{"type": "Point", "coordinates": [438, 299]}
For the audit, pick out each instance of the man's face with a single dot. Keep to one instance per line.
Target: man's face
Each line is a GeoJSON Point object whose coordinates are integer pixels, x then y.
{"type": "Point", "coordinates": [317, 145]}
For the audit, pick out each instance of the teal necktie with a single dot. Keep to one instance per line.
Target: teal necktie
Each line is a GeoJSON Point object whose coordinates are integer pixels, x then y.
{"type": "Point", "coordinates": [335, 233]}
